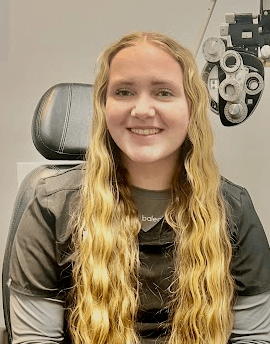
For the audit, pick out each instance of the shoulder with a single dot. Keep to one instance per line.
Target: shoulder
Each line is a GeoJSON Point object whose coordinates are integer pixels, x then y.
{"type": "Point", "coordinates": [70, 179]}
{"type": "Point", "coordinates": [59, 193]}
{"type": "Point", "coordinates": [238, 203]}
{"type": "Point", "coordinates": [237, 200]}
{"type": "Point", "coordinates": [231, 191]}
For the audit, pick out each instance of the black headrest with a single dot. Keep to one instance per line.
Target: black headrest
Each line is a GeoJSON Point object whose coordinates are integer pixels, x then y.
{"type": "Point", "coordinates": [61, 123]}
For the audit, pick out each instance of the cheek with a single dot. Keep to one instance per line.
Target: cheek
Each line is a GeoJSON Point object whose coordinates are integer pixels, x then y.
{"type": "Point", "coordinates": [109, 114]}
{"type": "Point", "coordinates": [113, 120]}
{"type": "Point", "coordinates": [179, 118]}
{"type": "Point", "coordinates": [115, 115]}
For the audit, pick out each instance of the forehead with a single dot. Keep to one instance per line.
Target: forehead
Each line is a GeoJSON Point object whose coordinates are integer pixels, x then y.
{"type": "Point", "coordinates": [144, 60]}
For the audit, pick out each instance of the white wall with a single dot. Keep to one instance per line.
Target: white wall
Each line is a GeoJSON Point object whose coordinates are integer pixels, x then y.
{"type": "Point", "coordinates": [45, 43]}
{"type": "Point", "coordinates": [58, 41]}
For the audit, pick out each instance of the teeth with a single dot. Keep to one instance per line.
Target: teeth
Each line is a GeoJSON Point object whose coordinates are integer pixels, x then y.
{"type": "Point", "coordinates": [145, 131]}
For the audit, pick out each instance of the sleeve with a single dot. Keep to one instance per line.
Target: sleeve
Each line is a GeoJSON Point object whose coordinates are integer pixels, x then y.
{"type": "Point", "coordinates": [251, 319]}
{"type": "Point", "coordinates": [251, 257]}
{"type": "Point", "coordinates": [34, 268]}
{"type": "Point", "coordinates": [36, 320]}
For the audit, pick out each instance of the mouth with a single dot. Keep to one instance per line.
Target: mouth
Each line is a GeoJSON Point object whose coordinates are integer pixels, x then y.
{"type": "Point", "coordinates": [145, 132]}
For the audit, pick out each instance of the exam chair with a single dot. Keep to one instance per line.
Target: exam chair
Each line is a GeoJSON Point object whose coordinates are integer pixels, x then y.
{"type": "Point", "coordinates": [60, 132]}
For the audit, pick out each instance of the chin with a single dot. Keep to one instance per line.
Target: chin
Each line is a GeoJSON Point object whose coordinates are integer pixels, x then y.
{"type": "Point", "coordinates": [145, 161]}
{"type": "Point", "coordinates": [142, 159]}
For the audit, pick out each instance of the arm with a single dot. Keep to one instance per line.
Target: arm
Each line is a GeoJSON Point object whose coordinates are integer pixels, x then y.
{"type": "Point", "coordinates": [36, 320]}
{"type": "Point", "coordinates": [39, 320]}
{"type": "Point", "coordinates": [250, 269]}
{"type": "Point", "coordinates": [252, 319]}
{"type": "Point", "coordinates": [40, 266]}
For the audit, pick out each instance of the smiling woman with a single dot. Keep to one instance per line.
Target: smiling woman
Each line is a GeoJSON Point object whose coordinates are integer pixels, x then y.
{"type": "Point", "coordinates": [143, 107]}
{"type": "Point", "coordinates": [145, 242]}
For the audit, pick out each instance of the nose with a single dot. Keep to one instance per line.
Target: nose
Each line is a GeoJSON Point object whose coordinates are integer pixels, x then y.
{"type": "Point", "coordinates": [143, 108]}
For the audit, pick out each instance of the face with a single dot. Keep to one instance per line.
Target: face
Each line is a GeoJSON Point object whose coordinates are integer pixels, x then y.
{"type": "Point", "coordinates": [147, 112]}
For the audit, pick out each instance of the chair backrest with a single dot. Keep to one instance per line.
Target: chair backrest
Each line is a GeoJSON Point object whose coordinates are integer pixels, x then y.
{"type": "Point", "coordinates": [60, 131]}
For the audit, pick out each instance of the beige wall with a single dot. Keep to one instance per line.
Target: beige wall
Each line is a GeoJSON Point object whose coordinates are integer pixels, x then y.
{"type": "Point", "coordinates": [45, 43]}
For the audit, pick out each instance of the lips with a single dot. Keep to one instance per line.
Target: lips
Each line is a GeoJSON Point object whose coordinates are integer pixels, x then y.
{"type": "Point", "coordinates": [148, 131]}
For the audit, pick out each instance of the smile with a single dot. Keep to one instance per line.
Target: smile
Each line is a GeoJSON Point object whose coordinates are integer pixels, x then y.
{"type": "Point", "coordinates": [145, 131]}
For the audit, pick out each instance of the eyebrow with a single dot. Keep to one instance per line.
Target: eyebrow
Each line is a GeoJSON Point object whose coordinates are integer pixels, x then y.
{"type": "Point", "coordinates": [153, 82]}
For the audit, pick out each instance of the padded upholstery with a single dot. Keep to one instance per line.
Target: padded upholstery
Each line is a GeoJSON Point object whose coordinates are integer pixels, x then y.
{"type": "Point", "coordinates": [60, 130]}
{"type": "Point", "coordinates": [60, 127]}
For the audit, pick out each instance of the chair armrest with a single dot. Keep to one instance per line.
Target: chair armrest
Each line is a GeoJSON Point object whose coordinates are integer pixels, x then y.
{"type": "Point", "coordinates": [3, 335]}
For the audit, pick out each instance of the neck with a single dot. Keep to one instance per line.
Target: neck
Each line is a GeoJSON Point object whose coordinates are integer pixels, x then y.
{"type": "Point", "coordinates": [152, 176]}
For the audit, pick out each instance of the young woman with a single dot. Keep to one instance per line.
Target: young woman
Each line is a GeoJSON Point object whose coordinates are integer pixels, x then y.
{"type": "Point", "coordinates": [160, 247]}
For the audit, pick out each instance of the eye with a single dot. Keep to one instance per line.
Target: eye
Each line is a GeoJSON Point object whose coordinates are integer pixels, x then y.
{"type": "Point", "coordinates": [122, 92]}
{"type": "Point", "coordinates": [166, 92]}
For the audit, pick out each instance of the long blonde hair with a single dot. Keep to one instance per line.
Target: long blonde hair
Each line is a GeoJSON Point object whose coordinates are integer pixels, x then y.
{"type": "Point", "coordinates": [106, 258]}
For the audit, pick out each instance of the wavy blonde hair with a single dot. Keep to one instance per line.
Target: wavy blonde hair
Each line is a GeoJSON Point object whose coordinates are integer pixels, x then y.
{"type": "Point", "coordinates": [106, 256]}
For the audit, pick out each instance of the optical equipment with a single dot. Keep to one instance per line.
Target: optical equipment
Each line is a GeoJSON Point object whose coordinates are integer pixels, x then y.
{"type": "Point", "coordinates": [234, 71]}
